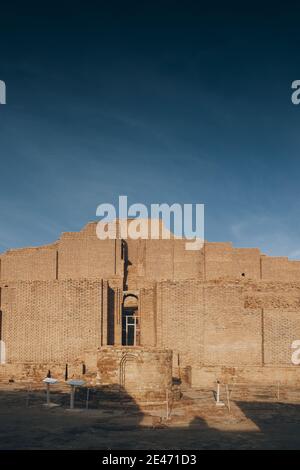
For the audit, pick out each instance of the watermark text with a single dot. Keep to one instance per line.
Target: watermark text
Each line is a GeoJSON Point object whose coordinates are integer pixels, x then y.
{"type": "Point", "coordinates": [164, 221]}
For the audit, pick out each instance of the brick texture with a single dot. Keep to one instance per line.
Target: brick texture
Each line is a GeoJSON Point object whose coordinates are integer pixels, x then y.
{"type": "Point", "coordinates": [217, 307]}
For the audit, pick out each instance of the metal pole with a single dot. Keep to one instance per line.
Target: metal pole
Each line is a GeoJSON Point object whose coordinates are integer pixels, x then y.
{"type": "Point", "coordinates": [134, 331]}
{"type": "Point", "coordinates": [218, 392]}
{"type": "Point", "coordinates": [218, 402]}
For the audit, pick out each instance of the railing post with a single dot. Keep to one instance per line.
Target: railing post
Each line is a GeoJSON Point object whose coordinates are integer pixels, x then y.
{"type": "Point", "coordinates": [218, 402]}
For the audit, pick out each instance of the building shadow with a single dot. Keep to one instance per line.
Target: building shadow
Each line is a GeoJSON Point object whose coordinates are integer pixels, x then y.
{"type": "Point", "coordinates": [114, 420]}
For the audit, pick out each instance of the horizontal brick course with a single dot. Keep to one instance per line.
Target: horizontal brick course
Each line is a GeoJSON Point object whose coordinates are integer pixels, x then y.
{"type": "Point", "coordinates": [216, 307]}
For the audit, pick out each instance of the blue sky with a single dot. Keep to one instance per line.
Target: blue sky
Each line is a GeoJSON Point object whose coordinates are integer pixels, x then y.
{"type": "Point", "coordinates": [162, 103]}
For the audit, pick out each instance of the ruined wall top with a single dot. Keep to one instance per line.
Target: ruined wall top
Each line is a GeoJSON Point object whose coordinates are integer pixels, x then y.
{"type": "Point", "coordinates": [80, 255]}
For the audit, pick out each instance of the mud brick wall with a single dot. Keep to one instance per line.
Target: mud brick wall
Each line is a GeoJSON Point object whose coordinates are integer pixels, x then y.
{"type": "Point", "coordinates": [281, 328]}
{"type": "Point", "coordinates": [280, 269]}
{"type": "Point", "coordinates": [180, 320]}
{"type": "Point", "coordinates": [77, 255]}
{"type": "Point", "coordinates": [147, 309]}
{"type": "Point", "coordinates": [214, 261]}
{"type": "Point", "coordinates": [162, 259]}
{"type": "Point", "coordinates": [82, 255]}
{"type": "Point", "coordinates": [36, 372]}
{"type": "Point", "coordinates": [208, 324]}
{"type": "Point", "coordinates": [141, 372]}
{"type": "Point", "coordinates": [52, 320]}
{"type": "Point", "coordinates": [114, 312]}
{"type": "Point", "coordinates": [223, 261]}
{"type": "Point", "coordinates": [188, 264]}
{"type": "Point", "coordinates": [232, 334]}
{"type": "Point", "coordinates": [280, 306]}
{"type": "Point", "coordinates": [219, 306]}
{"type": "Point", "coordinates": [218, 260]}
{"type": "Point", "coordinates": [233, 323]}
{"type": "Point", "coordinates": [29, 264]}
{"type": "Point", "coordinates": [206, 376]}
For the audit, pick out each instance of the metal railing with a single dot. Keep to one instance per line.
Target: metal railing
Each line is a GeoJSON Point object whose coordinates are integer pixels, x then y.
{"type": "Point", "coordinates": [227, 392]}
{"type": "Point", "coordinates": [32, 392]}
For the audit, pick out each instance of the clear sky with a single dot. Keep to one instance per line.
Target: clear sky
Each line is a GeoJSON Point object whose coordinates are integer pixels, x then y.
{"type": "Point", "coordinates": [161, 101]}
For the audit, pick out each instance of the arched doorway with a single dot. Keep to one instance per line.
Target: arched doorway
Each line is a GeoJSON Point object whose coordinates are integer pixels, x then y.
{"type": "Point", "coordinates": [130, 321]}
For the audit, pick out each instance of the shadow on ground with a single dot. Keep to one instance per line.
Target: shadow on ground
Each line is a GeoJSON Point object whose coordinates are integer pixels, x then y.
{"type": "Point", "coordinates": [115, 421]}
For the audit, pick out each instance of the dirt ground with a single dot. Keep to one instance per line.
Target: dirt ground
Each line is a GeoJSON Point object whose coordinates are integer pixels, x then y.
{"type": "Point", "coordinates": [257, 419]}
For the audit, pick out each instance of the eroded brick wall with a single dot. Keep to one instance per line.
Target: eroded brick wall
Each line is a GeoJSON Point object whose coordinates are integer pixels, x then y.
{"type": "Point", "coordinates": [81, 255]}
{"type": "Point", "coordinates": [147, 312]}
{"type": "Point", "coordinates": [141, 372]}
{"type": "Point", "coordinates": [241, 323]}
{"type": "Point", "coordinates": [279, 269]}
{"type": "Point", "coordinates": [217, 306]}
{"type": "Point", "coordinates": [53, 320]}
{"type": "Point", "coordinates": [162, 259]}
{"type": "Point", "coordinates": [180, 319]}
{"type": "Point", "coordinates": [77, 255]}
{"type": "Point", "coordinates": [29, 264]}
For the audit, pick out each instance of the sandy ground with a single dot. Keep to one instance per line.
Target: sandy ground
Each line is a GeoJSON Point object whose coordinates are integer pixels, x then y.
{"type": "Point", "coordinates": [255, 421]}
